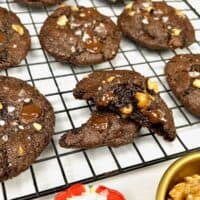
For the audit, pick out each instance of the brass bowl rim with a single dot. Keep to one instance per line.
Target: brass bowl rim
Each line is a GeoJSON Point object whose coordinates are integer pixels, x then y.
{"type": "Point", "coordinates": [172, 169]}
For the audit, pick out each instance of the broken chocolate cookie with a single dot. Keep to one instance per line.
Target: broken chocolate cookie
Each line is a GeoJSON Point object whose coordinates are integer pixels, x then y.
{"type": "Point", "coordinates": [103, 128]}
{"type": "Point", "coordinates": [131, 95]}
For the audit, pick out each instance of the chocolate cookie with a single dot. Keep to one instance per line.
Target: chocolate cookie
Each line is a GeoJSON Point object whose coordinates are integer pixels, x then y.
{"type": "Point", "coordinates": [26, 126]}
{"type": "Point", "coordinates": [39, 3]}
{"type": "Point", "coordinates": [156, 25]}
{"type": "Point", "coordinates": [132, 96]}
{"type": "Point", "coordinates": [183, 77]}
{"type": "Point", "coordinates": [80, 36]}
{"type": "Point", "coordinates": [14, 39]}
{"type": "Point", "coordinates": [103, 128]}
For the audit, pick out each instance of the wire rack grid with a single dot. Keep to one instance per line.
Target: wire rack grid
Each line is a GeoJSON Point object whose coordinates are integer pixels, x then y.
{"type": "Point", "coordinates": [57, 168]}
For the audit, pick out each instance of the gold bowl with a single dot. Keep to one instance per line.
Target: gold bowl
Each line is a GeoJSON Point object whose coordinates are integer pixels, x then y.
{"type": "Point", "coordinates": [185, 166]}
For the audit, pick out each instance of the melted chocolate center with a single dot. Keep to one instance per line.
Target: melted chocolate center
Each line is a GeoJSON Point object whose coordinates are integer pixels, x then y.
{"type": "Point", "coordinates": [30, 112]}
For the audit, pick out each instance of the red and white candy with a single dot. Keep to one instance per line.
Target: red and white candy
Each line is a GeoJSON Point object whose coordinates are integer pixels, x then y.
{"type": "Point", "coordinates": [82, 192]}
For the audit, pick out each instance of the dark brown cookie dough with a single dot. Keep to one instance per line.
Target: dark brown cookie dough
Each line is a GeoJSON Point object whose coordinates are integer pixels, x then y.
{"type": "Point", "coordinates": [14, 39]}
{"type": "Point", "coordinates": [183, 77]}
{"type": "Point", "coordinates": [156, 25]}
{"type": "Point", "coordinates": [132, 96]}
{"type": "Point", "coordinates": [39, 3]}
{"type": "Point", "coordinates": [80, 36]}
{"type": "Point", "coordinates": [26, 126]}
{"type": "Point", "coordinates": [103, 128]}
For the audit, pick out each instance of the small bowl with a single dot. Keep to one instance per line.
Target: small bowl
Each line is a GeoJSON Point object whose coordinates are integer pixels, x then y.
{"type": "Point", "coordinates": [185, 166]}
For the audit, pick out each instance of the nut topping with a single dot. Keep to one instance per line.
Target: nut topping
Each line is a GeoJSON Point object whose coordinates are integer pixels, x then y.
{"type": "Point", "coordinates": [129, 6]}
{"type": "Point", "coordinates": [37, 126]}
{"type": "Point", "coordinates": [143, 100]}
{"type": "Point", "coordinates": [62, 20]}
{"type": "Point", "coordinates": [152, 86]}
{"type": "Point", "coordinates": [20, 151]}
{"type": "Point", "coordinates": [196, 83]}
{"type": "Point", "coordinates": [175, 31]}
{"type": "Point", "coordinates": [1, 106]}
{"type": "Point", "coordinates": [18, 28]}
{"type": "Point", "coordinates": [127, 110]}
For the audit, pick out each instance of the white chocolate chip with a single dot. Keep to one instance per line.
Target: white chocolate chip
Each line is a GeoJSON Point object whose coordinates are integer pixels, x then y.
{"type": "Point", "coordinates": [11, 109]}
{"type": "Point", "coordinates": [18, 28]}
{"type": "Point", "coordinates": [85, 37]}
{"type": "Point", "coordinates": [73, 49]}
{"type": "Point", "coordinates": [4, 138]}
{"type": "Point", "coordinates": [158, 12]}
{"type": "Point", "coordinates": [14, 123]}
{"type": "Point", "coordinates": [156, 18]}
{"type": "Point", "coordinates": [2, 122]}
{"type": "Point", "coordinates": [78, 32]}
{"type": "Point", "coordinates": [14, 46]}
{"type": "Point", "coordinates": [37, 126]}
{"type": "Point", "coordinates": [27, 100]}
{"type": "Point", "coordinates": [194, 74]}
{"type": "Point", "coordinates": [21, 127]}
{"type": "Point", "coordinates": [62, 20]}
{"type": "Point", "coordinates": [145, 21]}
{"type": "Point", "coordinates": [169, 27]}
{"type": "Point", "coordinates": [82, 15]}
{"type": "Point", "coordinates": [147, 6]}
{"type": "Point", "coordinates": [165, 19]}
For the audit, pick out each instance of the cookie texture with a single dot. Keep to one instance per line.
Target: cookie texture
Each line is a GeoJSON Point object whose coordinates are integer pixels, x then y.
{"type": "Point", "coordinates": [183, 77]}
{"type": "Point", "coordinates": [39, 3]}
{"type": "Point", "coordinates": [26, 126]}
{"type": "Point", "coordinates": [80, 36]}
{"type": "Point", "coordinates": [156, 25]}
{"type": "Point", "coordinates": [131, 95]}
{"type": "Point", "coordinates": [14, 39]}
{"type": "Point", "coordinates": [103, 128]}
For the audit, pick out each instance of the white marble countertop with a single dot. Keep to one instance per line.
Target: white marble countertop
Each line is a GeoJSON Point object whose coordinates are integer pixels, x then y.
{"type": "Point", "coordinates": [140, 184]}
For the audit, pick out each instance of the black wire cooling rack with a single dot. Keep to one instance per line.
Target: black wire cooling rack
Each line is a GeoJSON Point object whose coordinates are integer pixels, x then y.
{"type": "Point", "coordinates": [58, 168]}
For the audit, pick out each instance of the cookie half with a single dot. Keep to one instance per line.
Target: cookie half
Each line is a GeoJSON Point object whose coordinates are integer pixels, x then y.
{"type": "Point", "coordinates": [14, 39]}
{"type": "Point", "coordinates": [26, 126]}
{"type": "Point", "coordinates": [39, 3]}
{"type": "Point", "coordinates": [80, 36]}
{"type": "Point", "coordinates": [131, 95]}
{"type": "Point", "coordinates": [103, 128]}
{"type": "Point", "coordinates": [156, 25]}
{"type": "Point", "coordinates": [183, 77]}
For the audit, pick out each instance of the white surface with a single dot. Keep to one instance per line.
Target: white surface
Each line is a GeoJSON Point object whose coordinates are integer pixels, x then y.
{"type": "Point", "coordinates": [137, 185]}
